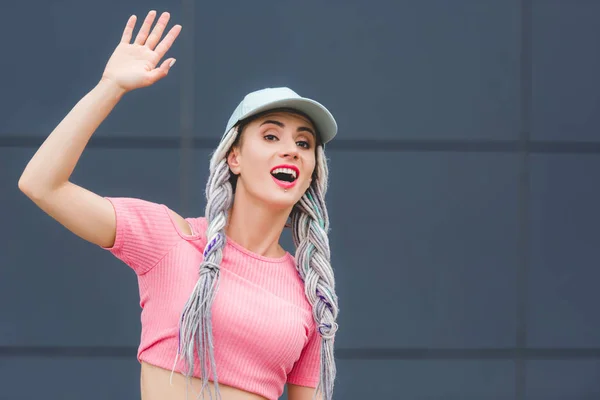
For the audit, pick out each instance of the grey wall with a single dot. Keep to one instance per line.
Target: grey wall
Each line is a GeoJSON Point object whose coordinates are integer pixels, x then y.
{"type": "Point", "coordinates": [464, 196]}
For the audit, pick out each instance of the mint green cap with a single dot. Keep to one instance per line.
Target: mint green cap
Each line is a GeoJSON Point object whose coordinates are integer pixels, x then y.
{"type": "Point", "coordinates": [283, 97]}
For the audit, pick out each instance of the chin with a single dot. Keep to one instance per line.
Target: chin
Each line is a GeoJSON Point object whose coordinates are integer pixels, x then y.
{"type": "Point", "coordinates": [274, 196]}
{"type": "Point", "coordinates": [281, 200]}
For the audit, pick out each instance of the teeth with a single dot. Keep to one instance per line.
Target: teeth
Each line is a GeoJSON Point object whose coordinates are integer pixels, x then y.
{"type": "Point", "coordinates": [284, 171]}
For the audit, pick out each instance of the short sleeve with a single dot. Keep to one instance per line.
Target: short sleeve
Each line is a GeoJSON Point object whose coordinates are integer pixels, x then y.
{"type": "Point", "coordinates": [144, 235]}
{"type": "Point", "coordinates": [307, 369]}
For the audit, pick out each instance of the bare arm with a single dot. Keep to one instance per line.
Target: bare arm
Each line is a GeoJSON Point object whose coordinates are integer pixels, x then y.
{"type": "Point", "coordinates": [45, 179]}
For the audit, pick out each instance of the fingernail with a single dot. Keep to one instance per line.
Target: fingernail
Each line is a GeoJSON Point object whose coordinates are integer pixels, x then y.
{"type": "Point", "coordinates": [172, 63]}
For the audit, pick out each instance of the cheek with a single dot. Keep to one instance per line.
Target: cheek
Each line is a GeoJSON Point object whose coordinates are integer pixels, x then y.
{"type": "Point", "coordinates": [254, 162]}
{"type": "Point", "coordinates": [309, 174]}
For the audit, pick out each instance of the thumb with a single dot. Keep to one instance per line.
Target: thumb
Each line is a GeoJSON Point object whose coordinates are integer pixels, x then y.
{"type": "Point", "coordinates": [162, 71]}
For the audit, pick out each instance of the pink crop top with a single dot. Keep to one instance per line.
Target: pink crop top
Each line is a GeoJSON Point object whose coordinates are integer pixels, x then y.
{"type": "Point", "coordinates": [264, 332]}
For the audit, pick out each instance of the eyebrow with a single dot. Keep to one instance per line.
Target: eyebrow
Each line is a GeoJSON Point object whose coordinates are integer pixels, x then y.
{"type": "Point", "coordinates": [282, 125]}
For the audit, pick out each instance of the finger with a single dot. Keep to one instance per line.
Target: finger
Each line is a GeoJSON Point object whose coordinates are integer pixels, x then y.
{"type": "Point", "coordinates": [158, 30]}
{"type": "Point", "coordinates": [145, 29]}
{"type": "Point", "coordinates": [168, 41]}
{"type": "Point", "coordinates": [162, 71]}
{"type": "Point", "coordinates": [127, 32]}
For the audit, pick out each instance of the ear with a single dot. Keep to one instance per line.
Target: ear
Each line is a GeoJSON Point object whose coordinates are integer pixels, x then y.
{"type": "Point", "coordinates": [233, 159]}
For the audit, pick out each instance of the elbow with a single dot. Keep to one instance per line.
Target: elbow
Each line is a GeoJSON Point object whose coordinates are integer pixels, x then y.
{"type": "Point", "coordinates": [29, 188]}
{"type": "Point", "coordinates": [23, 185]}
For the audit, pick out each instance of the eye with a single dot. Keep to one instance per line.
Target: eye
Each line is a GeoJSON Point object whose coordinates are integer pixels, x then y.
{"type": "Point", "coordinates": [304, 144]}
{"type": "Point", "coordinates": [270, 137]}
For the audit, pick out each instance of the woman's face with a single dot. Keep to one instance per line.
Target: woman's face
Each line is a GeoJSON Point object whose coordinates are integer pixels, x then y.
{"type": "Point", "coordinates": [275, 159]}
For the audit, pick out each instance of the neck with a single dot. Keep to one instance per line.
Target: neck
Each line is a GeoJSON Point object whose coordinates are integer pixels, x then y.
{"type": "Point", "coordinates": [255, 226]}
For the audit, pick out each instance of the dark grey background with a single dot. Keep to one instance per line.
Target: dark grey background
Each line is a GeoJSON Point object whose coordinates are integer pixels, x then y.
{"type": "Point", "coordinates": [463, 199]}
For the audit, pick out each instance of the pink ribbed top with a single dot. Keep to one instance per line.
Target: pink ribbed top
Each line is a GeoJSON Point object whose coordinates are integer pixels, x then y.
{"type": "Point", "coordinates": [264, 332]}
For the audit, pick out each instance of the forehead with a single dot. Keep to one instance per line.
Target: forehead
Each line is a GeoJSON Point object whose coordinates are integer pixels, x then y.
{"type": "Point", "coordinates": [286, 116]}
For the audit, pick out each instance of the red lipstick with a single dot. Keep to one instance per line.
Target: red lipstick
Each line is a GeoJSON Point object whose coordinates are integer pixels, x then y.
{"type": "Point", "coordinates": [282, 183]}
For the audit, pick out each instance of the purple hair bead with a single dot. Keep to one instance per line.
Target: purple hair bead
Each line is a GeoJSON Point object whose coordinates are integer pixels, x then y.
{"type": "Point", "coordinates": [212, 244]}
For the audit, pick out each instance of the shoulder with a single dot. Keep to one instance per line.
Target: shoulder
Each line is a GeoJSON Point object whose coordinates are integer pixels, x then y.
{"type": "Point", "coordinates": [181, 223]}
{"type": "Point", "coordinates": [188, 226]}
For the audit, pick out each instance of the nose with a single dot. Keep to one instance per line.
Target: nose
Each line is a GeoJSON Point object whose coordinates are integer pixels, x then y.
{"type": "Point", "coordinates": [290, 154]}
{"type": "Point", "coordinates": [289, 150]}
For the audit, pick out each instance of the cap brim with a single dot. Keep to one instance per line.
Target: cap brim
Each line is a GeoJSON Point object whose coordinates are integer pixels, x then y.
{"type": "Point", "coordinates": [320, 116]}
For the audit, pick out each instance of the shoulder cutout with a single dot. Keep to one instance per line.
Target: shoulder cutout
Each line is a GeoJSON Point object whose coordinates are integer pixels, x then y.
{"type": "Point", "coordinates": [181, 223]}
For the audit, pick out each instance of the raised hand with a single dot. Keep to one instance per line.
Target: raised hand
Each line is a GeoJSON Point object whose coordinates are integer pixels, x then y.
{"type": "Point", "coordinates": [134, 65]}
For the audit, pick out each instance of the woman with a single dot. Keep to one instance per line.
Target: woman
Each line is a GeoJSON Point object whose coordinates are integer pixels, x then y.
{"type": "Point", "coordinates": [224, 307]}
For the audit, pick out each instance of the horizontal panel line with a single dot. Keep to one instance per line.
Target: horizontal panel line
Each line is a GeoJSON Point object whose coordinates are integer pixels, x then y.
{"type": "Point", "coordinates": [383, 145]}
{"type": "Point", "coordinates": [343, 353]}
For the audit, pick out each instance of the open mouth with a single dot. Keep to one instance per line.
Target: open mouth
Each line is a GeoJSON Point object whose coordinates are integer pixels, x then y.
{"type": "Point", "coordinates": [285, 175]}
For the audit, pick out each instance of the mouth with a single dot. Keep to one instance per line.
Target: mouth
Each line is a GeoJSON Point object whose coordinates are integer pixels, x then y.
{"type": "Point", "coordinates": [285, 176]}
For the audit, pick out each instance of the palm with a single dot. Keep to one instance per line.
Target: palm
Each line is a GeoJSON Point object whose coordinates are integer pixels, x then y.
{"type": "Point", "coordinates": [131, 65]}
{"type": "Point", "coordinates": [134, 65]}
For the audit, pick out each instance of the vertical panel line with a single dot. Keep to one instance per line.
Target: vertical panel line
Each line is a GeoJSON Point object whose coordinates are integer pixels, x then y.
{"type": "Point", "coordinates": [522, 280]}
{"type": "Point", "coordinates": [187, 103]}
